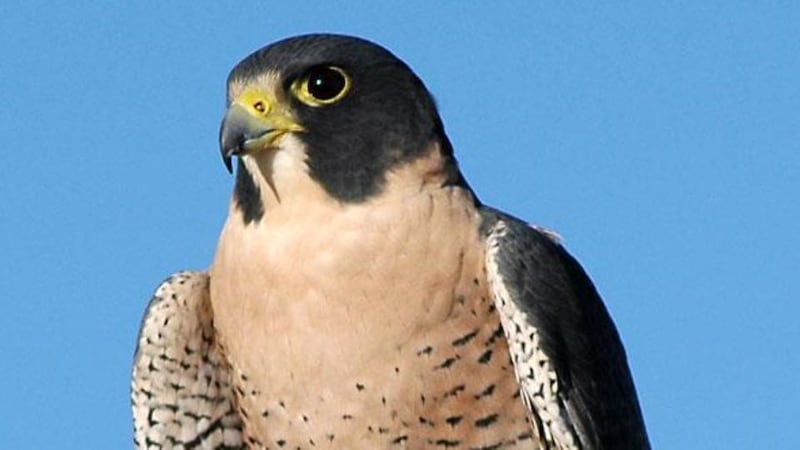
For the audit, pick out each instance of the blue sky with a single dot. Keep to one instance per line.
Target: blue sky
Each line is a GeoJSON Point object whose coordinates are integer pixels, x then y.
{"type": "Point", "coordinates": [661, 140]}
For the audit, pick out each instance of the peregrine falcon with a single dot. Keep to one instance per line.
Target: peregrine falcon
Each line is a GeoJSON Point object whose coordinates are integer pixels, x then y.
{"type": "Point", "coordinates": [362, 297]}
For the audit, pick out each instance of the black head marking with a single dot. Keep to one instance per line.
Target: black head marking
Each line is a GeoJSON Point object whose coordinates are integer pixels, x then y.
{"type": "Point", "coordinates": [247, 195]}
{"type": "Point", "coordinates": [387, 117]}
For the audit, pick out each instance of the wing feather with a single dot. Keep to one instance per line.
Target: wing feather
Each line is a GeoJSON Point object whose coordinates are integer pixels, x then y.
{"type": "Point", "coordinates": [180, 393]}
{"type": "Point", "coordinates": [566, 351]}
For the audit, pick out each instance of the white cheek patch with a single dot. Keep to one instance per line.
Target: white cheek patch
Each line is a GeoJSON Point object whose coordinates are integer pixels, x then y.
{"type": "Point", "coordinates": [283, 165]}
{"type": "Point", "coordinates": [290, 159]}
{"type": "Point", "coordinates": [282, 175]}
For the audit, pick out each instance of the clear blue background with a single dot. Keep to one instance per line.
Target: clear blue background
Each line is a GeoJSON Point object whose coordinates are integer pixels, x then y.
{"type": "Point", "coordinates": [661, 140]}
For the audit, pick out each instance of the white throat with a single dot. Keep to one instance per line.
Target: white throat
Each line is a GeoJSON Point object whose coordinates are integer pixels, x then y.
{"type": "Point", "coordinates": [282, 175]}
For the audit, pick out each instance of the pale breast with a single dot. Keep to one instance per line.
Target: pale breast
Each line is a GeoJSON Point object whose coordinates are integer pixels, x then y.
{"type": "Point", "coordinates": [366, 326]}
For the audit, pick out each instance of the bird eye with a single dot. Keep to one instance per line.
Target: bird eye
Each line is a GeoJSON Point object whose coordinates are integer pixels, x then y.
{"type": "Point", "coordinates": [322, 85]}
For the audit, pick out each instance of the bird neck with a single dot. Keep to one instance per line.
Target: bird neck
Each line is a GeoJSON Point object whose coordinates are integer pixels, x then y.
{"type": "Point", "coordinates": [279, 181]}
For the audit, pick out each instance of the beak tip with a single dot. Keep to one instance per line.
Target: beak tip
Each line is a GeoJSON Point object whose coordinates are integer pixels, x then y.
{"type": "Point", "coordinates": [228, 164]}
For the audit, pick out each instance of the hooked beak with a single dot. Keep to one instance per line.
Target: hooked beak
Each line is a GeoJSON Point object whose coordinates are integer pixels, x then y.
{"type": "Point", "coordinates": [252, 123]}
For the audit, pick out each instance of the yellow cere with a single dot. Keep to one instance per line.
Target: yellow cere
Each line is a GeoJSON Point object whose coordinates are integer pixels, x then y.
{"type": "Point", "coordinates": [257, 102]}
{"type": "Point", "coordinates": [266, 108]}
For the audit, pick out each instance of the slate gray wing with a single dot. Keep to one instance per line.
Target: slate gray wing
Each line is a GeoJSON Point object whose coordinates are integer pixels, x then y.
{"type": "Point", "coordinates": [180, 393]}
{"type": "Point", "coordinates": [567, 354]}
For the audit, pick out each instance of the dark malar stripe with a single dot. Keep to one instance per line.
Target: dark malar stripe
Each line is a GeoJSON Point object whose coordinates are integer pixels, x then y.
{"type": "Point", "coordinates": [247, 195]}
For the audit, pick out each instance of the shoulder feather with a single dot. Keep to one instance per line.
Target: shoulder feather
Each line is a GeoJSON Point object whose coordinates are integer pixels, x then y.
{"type": "Point", "coordinates": [180, 393]}
{"type": "Point", "coordinates": [568, 356]}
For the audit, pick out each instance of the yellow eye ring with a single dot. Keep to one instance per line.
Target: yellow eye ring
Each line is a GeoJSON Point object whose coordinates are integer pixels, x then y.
{"type": "Point", "coordinates": [322, 85]}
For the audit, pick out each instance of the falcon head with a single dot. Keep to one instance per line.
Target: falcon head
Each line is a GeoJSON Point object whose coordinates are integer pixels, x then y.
{"type": "Point", "coordinates": [339, 110]}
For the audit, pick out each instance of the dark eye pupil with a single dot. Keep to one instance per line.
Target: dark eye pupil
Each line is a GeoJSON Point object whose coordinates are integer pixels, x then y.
{"type": "Point", "coordinates": [325, 83]}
